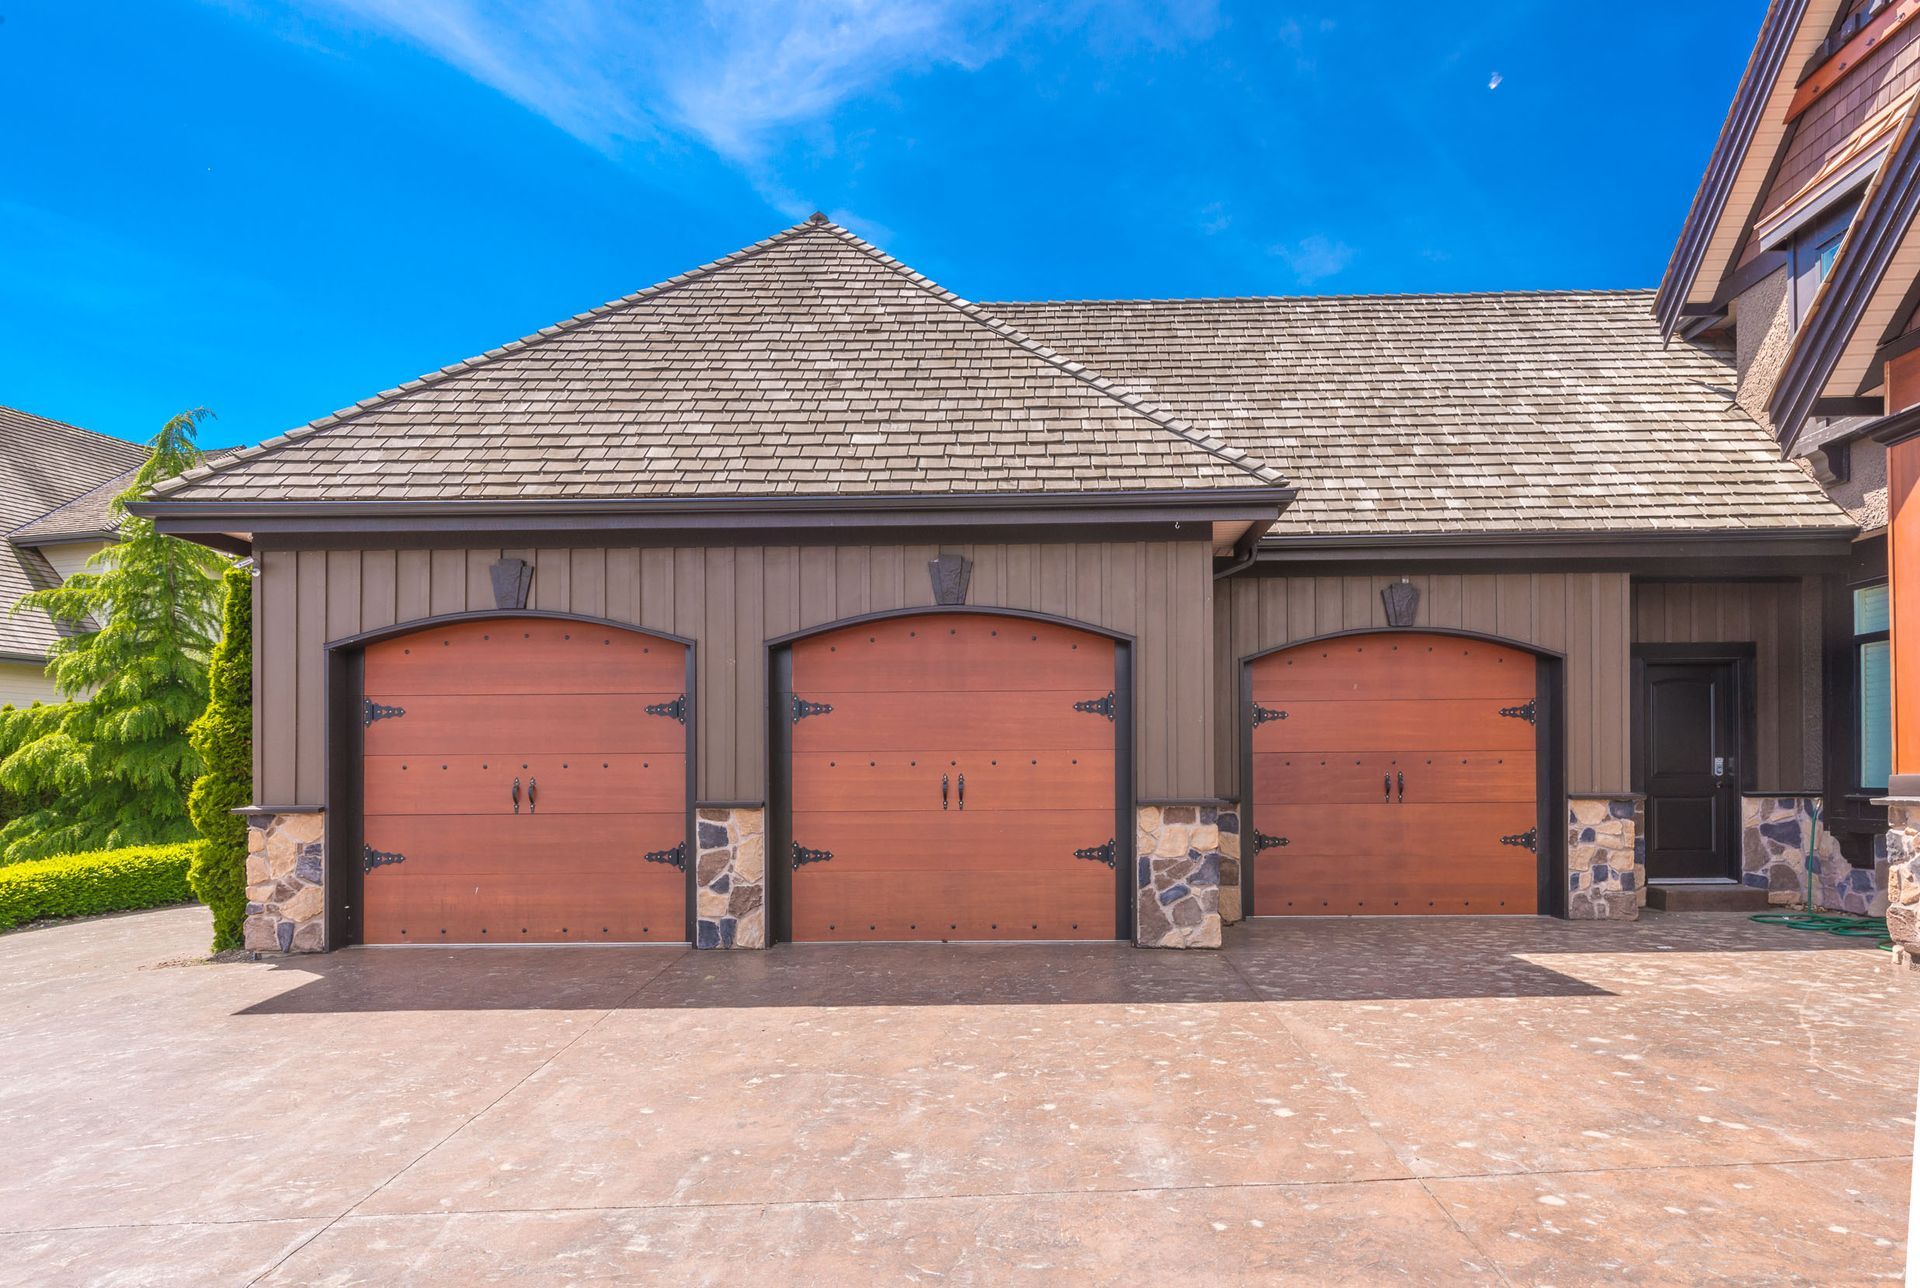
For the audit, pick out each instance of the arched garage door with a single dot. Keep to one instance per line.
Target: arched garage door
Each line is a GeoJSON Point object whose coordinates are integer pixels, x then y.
{"type": "Point", "coordinates": [524, 781]}
{"type": "Point", "coordinates": [1395, 774]}
{"type": "Point", "coordinates": [953, 777]}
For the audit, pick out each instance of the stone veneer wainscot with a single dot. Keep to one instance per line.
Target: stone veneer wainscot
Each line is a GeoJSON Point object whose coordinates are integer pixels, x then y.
{"type": "Point", "coordinates": [1605, 858]}
{"type": "Point", "coordinates": [1179, 851]}
{"type": "Point", "coordinates": [730, 877]}
{"type": "Point", "coordinates": [286, 883]}
{"type": "Point", "coordinates": [1903, 879]}
{"type": "Point", "coordinates": [1775, 835]}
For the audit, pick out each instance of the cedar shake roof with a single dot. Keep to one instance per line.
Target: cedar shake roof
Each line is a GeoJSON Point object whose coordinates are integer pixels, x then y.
{"type": "Point", "coordinates": [44, 464]}
{"type": "Point", "coordinates": [85, 518]}
{"type": "Point", "coordinates": [1454, 413]}
{"type": "Point", "coordinates": [810, 364]}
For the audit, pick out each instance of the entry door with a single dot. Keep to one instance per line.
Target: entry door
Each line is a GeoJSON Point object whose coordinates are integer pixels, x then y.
{"type": "Point", "coordinates": [1395, 774]}
{"type": "Point", "coordinates": [524, 781]}
{"type": "Point", "coordinates": [953, 778]}
{"type": "Point", "coordinates": [1690, 732]}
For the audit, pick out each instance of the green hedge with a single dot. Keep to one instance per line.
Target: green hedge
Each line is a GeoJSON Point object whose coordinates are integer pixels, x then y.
{"type": "Point", "coordinates": [79, 885]}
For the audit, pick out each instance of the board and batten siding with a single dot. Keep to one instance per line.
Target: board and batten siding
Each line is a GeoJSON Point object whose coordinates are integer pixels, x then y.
{"type": "Point", "coordinates": [1781, 619]}
{"type": "Point", "coordinates": [1583, 615]}
{"type": "Point", "coordinates": [729, 600]}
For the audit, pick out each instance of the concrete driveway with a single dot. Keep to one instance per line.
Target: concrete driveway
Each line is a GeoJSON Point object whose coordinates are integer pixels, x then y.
{"type": "Point", "coordinates": [1479, 1101]}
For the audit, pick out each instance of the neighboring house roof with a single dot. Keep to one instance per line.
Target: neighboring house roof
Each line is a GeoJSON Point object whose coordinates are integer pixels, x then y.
{"type": "Point", "coordinates": [1434, 414]}
{"type": "Point", "coordinates": [85, 518]}
{"type": "Point", "coordinates": [43, 464]}
{"type": "Point", "coordinates": [807, 365]}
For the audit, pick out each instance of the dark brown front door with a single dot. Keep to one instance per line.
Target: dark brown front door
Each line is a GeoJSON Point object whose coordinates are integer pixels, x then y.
{"type": "Point", "coordinates": [1689, 738]}
{"type": "Point", "coordinates": [1395, 774]}
{"type": "Point", "coordinates": [946, 786]}
{"type": "Point", "coordinates": [524, 782]}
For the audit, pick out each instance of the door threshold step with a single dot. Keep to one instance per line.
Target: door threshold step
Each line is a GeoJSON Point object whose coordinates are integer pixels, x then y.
{"type": "Point", "coordinates": [1699, 896]}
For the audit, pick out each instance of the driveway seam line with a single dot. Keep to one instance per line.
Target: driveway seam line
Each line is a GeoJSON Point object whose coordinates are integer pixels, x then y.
{"type": "Point", "coordinates": [472, 1118]}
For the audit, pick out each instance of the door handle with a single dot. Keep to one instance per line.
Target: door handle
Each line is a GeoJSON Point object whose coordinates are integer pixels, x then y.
{"type": "Point", "coordinates": [533, 789]}
{"type": "Point", "coordinates": [944, 784]}
{"type": "Point", "coordinates": [1386, 788]}
{"type": "Point", "coordinates": [963, 791]}
{"type": "Point", "coordinates": [1403, 786]}
{"type": "Point", "coordinates": [516, 795]}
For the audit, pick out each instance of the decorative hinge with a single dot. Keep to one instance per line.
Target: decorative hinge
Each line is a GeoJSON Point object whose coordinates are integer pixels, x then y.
{"type": "Point", "coordinates": [803, 708]}
{"type": "Point", "coordinates": [674, 710]}
{"type": "Point", "coordinates": [1520, 713]}
{"type": "Point", "coordinates": [1526, 840]}
{"type": "Point", "coordinates": [371, 711]}
{"type": "Point", "coordinates": [1099, 854]}
{"type": "Point", "coordinates": [1097, 706]}
{"type": "Point", "coordinates": [373, 858]}
{"type": "Point", "coordinates": [674, 858]}
{"type": "Point", "coordinates": [803, 856]}
{"type": "Point", "coordinates": [1263, 714]}
{"type": "Point", "coordinates": [1261, 841]}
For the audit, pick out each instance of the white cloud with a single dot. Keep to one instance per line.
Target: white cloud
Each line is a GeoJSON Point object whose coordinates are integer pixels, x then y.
{"type": "Point", "coordinates": [1314, 258]}
{"type": "Point", "coordinates": [1494, 82]}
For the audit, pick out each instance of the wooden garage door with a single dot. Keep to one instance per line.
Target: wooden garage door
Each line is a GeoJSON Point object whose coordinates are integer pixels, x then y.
{"type": "Point", "coordinates": [946, 786]}
{"type": "Point", "coordinates": [1394, 774]}
{"type": "Point", "coordinates": [525, 782]}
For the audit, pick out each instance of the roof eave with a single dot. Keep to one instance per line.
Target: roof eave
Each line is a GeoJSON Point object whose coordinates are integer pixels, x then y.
{"type": "Point", "coordinates": [192, 518]}
{"type": "Point", "coordinates": [1750, 101]}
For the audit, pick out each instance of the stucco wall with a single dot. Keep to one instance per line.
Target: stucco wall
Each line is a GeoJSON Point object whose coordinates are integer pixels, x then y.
{"type": "Point", "coordinates": [22, 683]}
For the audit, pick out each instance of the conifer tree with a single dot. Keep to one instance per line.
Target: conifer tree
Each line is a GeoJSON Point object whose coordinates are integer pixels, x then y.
{"type": "Point", "coordinates": [223, 737]}
{"type": "Point", "coordinates": [142, 620]}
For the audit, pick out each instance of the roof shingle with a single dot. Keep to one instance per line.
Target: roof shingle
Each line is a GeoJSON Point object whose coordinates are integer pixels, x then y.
{"type": "Point", "coordinates": [809, 364]}
{"type": "Point", "coordinates": [1433, 414]}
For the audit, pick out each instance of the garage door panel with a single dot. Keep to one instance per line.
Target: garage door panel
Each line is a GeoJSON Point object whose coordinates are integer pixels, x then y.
{"type": "Point", "coordinates": [908, 782]}
{"type": "Point", "coordinates": [1357, 778]}
{"type": "Point", "coordinates": [1400, 666]}
{"type": "Point", "coordinates": [1025, 841]}
{"type": "Point", "coordinates": [523, 723]}
{"type": "Point", "coordinates": [1437, 835]}
{"type": "Point", "coordinates": [561, 848]}
{"type": "Point", "coordinates": [856, 905]}
{"type": "Point", "coordinates": [1327, 885]}
{"type": "Point", "coordinates": [995, 721]}
{"type": "Point", "coordinates": [958, 654]}
{"type": "Point", "coordinates": [613, 783]}
{"type": "Point", "coordinates": [1437, 724]}
{"type": "Point", "coordinates": [525, 656]}
{"type": "Point", "coordinates": [523, 909]}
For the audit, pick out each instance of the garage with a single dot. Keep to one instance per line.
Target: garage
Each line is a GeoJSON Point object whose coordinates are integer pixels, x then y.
{"type": "Point", "coordinates": [524, 780]}
{"type": "Point", "coordinates": [1396, 774]}
{"type": "Point", "coordinates": [952, 776]}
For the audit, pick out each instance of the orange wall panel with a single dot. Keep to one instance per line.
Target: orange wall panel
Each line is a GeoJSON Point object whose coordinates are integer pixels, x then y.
{"type": "Point", "coordinates": [1903, 568]}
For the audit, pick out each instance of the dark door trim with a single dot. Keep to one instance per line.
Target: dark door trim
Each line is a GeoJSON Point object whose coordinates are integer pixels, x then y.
{"type": "Point", "coordinates": [343, 739]}
{"type": "Point", "coordinates": [1550, 756]}
{"type": "Point", "coordinates": [1741, 657]}
{"type": "Point", "coordinates": [779, 768]}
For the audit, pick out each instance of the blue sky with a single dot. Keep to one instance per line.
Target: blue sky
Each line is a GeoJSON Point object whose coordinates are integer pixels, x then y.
{"type": "Point", "coordinates": [274, 209]}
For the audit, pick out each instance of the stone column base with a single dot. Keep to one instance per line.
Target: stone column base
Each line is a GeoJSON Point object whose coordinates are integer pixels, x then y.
{"type": "Point", "coordinates": [1903, 879]}
{"type": "Point", "coordinates": [730, 878]}
{"type": "Point", "coordinates": [1177, 857]}
{"type": "Point", "coordinates": [286, 884]}
{"type": "Point", "coordinates": [1775, 835]}
{"type": "Point", "coordinates": [1604, 853]}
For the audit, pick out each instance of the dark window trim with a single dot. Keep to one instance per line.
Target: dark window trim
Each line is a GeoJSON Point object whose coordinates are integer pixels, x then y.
{"type": "Point", "coordinates": [1848, 811]}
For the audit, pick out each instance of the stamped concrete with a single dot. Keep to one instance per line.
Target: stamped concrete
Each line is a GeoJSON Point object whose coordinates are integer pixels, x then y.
{"type": "Point", "coordinates": [1676, 1100]}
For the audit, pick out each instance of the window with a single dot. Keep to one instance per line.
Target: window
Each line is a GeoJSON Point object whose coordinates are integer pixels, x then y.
{"type": "Point", "coordinates": [1811, 255]}
{"type": "Point", "coordinates": [1872, 670]}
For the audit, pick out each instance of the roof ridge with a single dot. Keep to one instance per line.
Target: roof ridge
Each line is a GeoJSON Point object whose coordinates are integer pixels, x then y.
{"type": "Point", "coordinates": [1159, 415]}
{"type": "Point", "coordinates": [486, 358]}
{"type": "Point", "coordinates": [1524, 293]}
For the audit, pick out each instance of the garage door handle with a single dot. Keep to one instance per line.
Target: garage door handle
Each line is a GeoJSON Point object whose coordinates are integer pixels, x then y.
{"type": "Point", "coordinates": [1403, 786]}
{"type": "Point", "coordinates": [533, 791]}
{"type": "Point", "coordinates": [516, 795]}
{"type": "Point", "coordinates": [945, 786]}
{"type": "Point", "coordinates": [963, 791]}
{"type": "Point", "coordinates": [1386, 788]}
